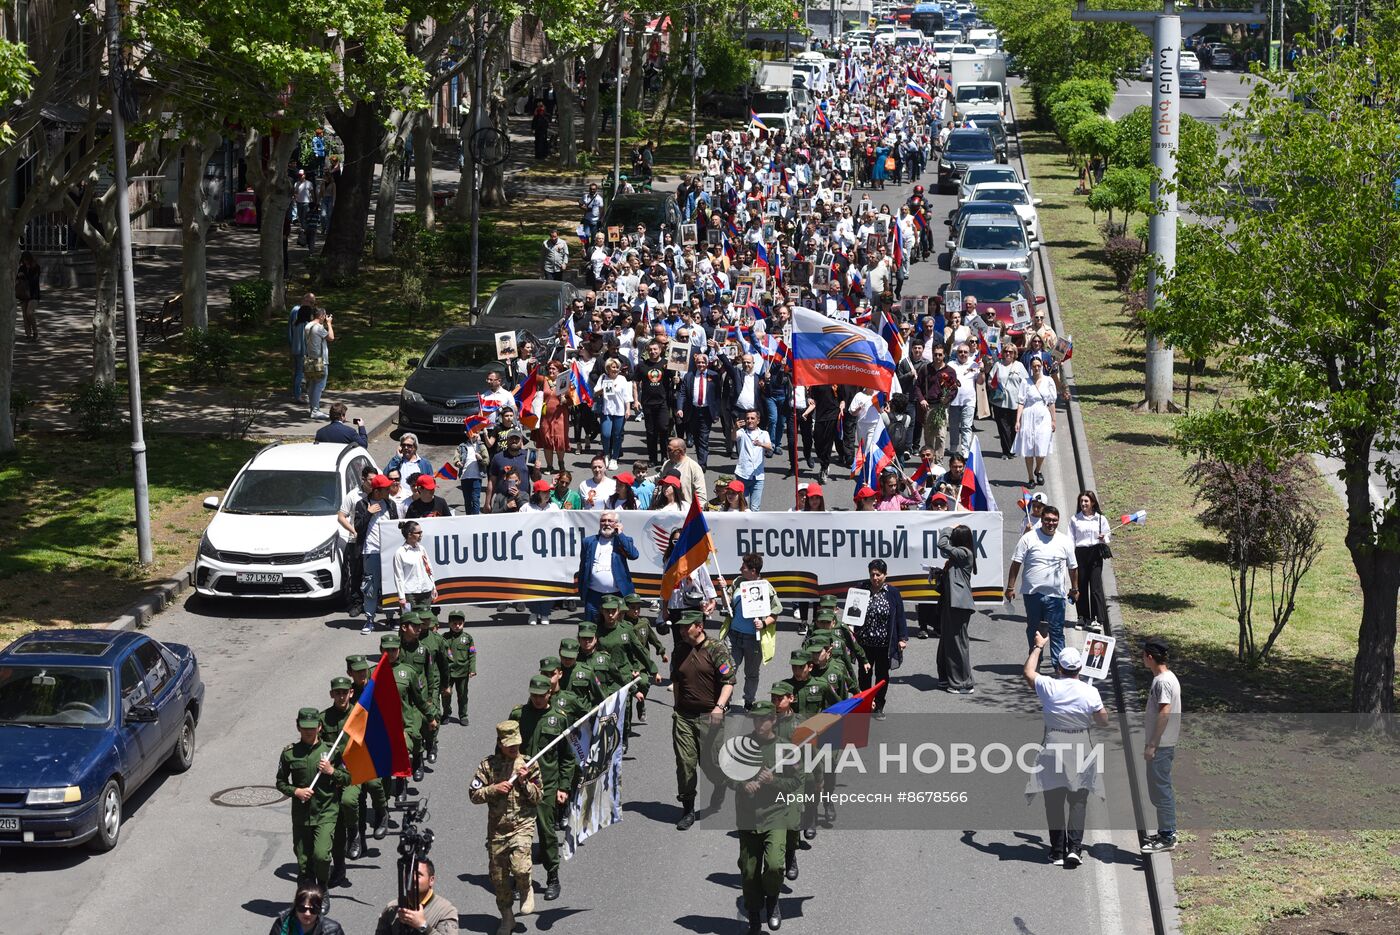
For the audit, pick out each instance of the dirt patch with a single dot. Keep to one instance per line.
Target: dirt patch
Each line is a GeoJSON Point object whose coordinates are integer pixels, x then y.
{"type": "Point", "coordinates": [1344, 917]}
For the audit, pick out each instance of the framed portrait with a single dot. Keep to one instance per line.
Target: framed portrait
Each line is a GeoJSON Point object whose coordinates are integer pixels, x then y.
{"type": "Point", "coordinates": [794, 293]}
{"type": "Point", "coordinates": [690, 233]}
{"type": "Point", "coordinates": [743, 294]}
{"type": "Point", "coordinates": [953, 299]}
{"type": "Point", "coordinates": [828, 258]}
{"type": "Point", "coordinates": [610, 300]}
{"type": "Point", "coordinates": [866, 205]}
{"type": "Point", "coordinates": [614, 233]}
{"type": "Point", "coordinates": [760, 282]}
{"type": "Point", "coordinates": [804, 207]}
{"type": "Point", "coordinates": [857, 602]}
{"type": "Point", "coordinates": [506, 348]}
{"type": "Point", "coordinates": [702, 151]}
{"type": "Point", "coordinates": [709, 184]}
{"type": "Point", "coordinates": [678, 357]}
{"type": "Point", "coordinates": [713, 237]}
{"type": "Point", "coordinates": [773, 209]}
{"type": "Point", "coordinates": [821, 277]}
{"type": "Point", "coordinates": [1098, 655]}
{"type": "Point", "coordinates": [770, 233]}
{"type": "Point", "coordinates": [1020, 312]}
{"type": "Point", "coordinates": [882, 224]}
{"type": "Point", "coordinates": [679, 294]}
{"type": "Point", "coordinates": [874, 241]}
{"type": "Point", "coordinates": [730, 350]}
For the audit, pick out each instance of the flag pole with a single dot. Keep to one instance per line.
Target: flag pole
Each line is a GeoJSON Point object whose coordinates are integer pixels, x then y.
{"type": "Point", "coordinates": [550, 746]}
{"type": "Point", "coordinates": [793, 439]}
{"type": "Point", "coordinates": [327, 757]}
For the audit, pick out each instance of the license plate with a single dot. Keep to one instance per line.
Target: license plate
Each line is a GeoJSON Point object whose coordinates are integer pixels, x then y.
{"type": "Point", "coordinates": [9, 824]}
{"type": "Point", "coordinates": [448, 420]}
{"type": "Point", "coordinates": [259, 577]}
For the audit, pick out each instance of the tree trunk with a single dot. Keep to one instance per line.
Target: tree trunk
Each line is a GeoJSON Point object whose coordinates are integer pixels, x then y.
{"type": "Point", "coordinates": [565, 111]}
{"type": "Point", "coordinates": [635, 88]}
{"type": "Point", "coordinates": [493, 177]}
{"type": "Point", "coordinates": [592, 104]}
{"type": "Point", "coordinates": [104, 316]}
{"type": "Point", "coordinates": [360, 129]}
{"type": "Point", "coordinates": [274, 187]}
{"type": "Point", "coordinates": [423, 168]}
{"type": "Point", "coordinates": [1378, 571]}
{"type": "Point", "coordinates": [392, 148]}
{"type": "Point", "coordinates": [194, 224]}
{"type": "Point", "coordinates": [10, 231]}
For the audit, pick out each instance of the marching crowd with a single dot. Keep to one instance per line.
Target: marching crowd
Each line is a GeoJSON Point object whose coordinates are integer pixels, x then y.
{"type": "Point", "coordinates": [683, 332]}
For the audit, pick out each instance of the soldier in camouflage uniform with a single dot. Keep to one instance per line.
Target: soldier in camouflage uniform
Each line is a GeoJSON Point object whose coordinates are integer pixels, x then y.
{"type": "Point", "coordinates": [545, 717]}
{"type": "Point", "coordinates": [764, 817]}
{"type": "Point", "coordinates": [511, 792]}
{"type": "Point", "coordinates": [702, 680]}
{"type": "Point", "coordinates": [313, 809]}
{"type": "Point", "coordinates": [358, 668]}
{"type": "Point", "coordinates": [460, 649]}
{"type": "Point", "coordinates": [346, 843]}
{"type": "Point", "coordinates": [417, 654]}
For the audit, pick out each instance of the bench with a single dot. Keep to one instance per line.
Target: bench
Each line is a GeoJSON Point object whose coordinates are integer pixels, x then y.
{"type": "Point", "coordinates": [163, 321]}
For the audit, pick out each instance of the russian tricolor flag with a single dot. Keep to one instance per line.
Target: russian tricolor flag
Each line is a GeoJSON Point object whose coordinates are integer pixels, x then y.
{"type": "Point", "coordinates": [581, 390]}
{"type": "Point", "coordinates": [825, 351]}
{"type": "Point", "coordinates": [1140, 518]}
{"type": "Point", "coordinates": [917, 90]}
{"type": "Point", "coordinates": [890, 332]}
{"type": "Point", "coordinates": [976, 493]}
{"type": "Point", "coordinates": [376, 746]}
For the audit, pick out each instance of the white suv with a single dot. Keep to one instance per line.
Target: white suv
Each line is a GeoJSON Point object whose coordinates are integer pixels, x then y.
{"type": "Point", "coordinates": [275, 534]}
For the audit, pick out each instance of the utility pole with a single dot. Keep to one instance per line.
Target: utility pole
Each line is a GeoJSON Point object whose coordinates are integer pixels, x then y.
{"type": "Point", "coordinates": [617, 114]}
{"type": "Point", "coordinates": [116, 75]}
{"type": "Point", "coordinates": [1166, 26]}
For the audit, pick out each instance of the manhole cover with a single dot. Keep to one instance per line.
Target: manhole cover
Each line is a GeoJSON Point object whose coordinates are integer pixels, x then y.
{"type": "Point", "coordinates": [247, 796]}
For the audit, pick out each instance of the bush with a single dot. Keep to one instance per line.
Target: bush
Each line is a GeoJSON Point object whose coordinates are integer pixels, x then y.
{"type": "Point", "coordinates": [94, 405]}
{"type": "Point", "coordinates": [248, 301]}
{"type": "Point", "coordinates": [1123, 255]}
{"type": "Point", "coordinates": [210, 355]}
{"type": "Point", "coordinates": [1096, 92]}
{"type": "Point", "coordinates": [1066, 114]}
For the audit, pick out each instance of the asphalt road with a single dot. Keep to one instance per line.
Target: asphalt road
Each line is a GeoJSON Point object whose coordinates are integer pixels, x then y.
{"type": "Point", "coordinates": [188, 863]}
{"type": "Point", "coordinates": [1224, 89]}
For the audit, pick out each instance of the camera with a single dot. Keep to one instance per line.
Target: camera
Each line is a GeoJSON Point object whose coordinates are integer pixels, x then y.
{"type": "Point", "coordinates": [414, 844]}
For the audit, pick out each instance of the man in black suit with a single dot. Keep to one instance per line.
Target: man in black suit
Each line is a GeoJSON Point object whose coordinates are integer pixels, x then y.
{"type": "Point", "coordinates": [698, 402]}
{"type": "Point", "coordinates": [337, 431]}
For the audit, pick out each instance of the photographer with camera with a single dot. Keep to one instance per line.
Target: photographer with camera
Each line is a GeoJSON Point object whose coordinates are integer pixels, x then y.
{"type": "Point", "coordinates": [512, 792]}
{"type": "Point", "coordinates": [420, 909]}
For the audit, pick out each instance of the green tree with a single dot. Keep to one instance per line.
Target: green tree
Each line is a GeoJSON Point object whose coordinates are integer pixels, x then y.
{"type": "Point", "coordinates": [1196, 152]}
{"type": "Point", "coordinates": [1301, 306]}
{"type": "Point", "coordinates": [1052, 49]}
{"type": "Point", "coordinates": [1125, 189]}
{"type": "Point", "coordinates": [1093, 138]}
{"type": "Point", "coordinates": [1096, 92]}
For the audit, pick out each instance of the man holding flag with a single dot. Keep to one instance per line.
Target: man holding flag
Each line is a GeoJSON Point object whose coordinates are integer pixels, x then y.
{"type": "Point", "coordinates": [315, 806]}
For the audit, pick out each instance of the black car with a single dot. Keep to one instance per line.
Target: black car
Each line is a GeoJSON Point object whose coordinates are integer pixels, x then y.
{"type": "Point", "coordinates": [1193, 84]}
{"type": "Point", "coordinates": [965, 148]}
{"type": "Point", "coordinates": [446, 383]}
{"type": "Point", "coordinates": [656, 210]}
{"type": "Point", "coordinates": [993, 125]}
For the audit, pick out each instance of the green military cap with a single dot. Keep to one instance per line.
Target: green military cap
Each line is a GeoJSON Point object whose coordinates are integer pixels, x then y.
{"type": "Point", "coordinates": [539, 685]}
{"type": "Point", "coordinates": [357, 664]}
{"type": "Point", "coordinates": [633, 599]}
{"type": "Point", "coordinates": [799, 657]}
{"type": "Point", "coordinates": [548, 664]}
{"type": "Point", "coordinates": [692, 616]}
{"type": "Point", "coordinates": [827, 600]}
{"type": "Point", "coordinates": [613, 602]}
{"type": "Point", "coordinates": [568, 643]}
{"type": "Point", "coordinates": [412, 616]}
{"type": "Point", "coordinates": [587, 629]}
{"type": "Point", "coordinates": [390, 641]}
{"type": "Point", "coordinates": [763, 709]}
{"type": "Point", "coordinates": [782, 688]}
{"type": "Point", "coordinates": [341, 682]}
{"type": "Point", "coordinates": [508, 733]}
{"type": "Point", "coordinates": [309, 717]}
{"type": "Point", "coordinates": [819, 639]}
{"type": "Point", "coordinates": [457, 615]}
{"type": "Point", "coordinates": [568, 652]}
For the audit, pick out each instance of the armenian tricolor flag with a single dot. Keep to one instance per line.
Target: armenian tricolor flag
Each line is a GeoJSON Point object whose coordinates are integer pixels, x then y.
{"type": "Point", "coordinates": [756, 123]}
{"type": "Point", "coordinates": [835, 726]}
{"type": "Point", "coordinates": [376, 746]}
{"type": "Point", "coordinates": [580, 385]}
{"type": "Point", "coordinates": [691, 551]}
{"type": "Point", "coordinates": [447, 471]}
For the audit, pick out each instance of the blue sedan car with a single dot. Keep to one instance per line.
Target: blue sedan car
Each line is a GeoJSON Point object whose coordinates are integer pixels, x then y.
{"type": "Point", "coordinates": [86, 717]}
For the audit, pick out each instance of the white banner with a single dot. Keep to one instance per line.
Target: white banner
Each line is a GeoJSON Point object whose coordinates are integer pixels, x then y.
{"type": "Point", "coordinates": [535, 556]}
{"type": "Point", "coordinates": [597, 745]}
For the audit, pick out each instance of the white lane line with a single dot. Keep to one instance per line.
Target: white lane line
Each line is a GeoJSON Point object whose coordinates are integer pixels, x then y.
{"type": "Point", "coordinates": [1108, 906]}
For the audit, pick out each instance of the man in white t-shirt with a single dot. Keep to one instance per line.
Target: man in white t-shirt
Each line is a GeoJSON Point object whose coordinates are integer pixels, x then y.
{"type": "Point", "coordinates": [1048, 558]}
{"type": "Point", "coordinates": [1069, 707]}
{"type": "Point", "coordinates": [964, 405]}
{"type": "Point", "coordinates": [496, 397]}
{"type": "Point", "coordinates": [1163, 728]}
{"type": "Point", "coordinates": [754, 445]}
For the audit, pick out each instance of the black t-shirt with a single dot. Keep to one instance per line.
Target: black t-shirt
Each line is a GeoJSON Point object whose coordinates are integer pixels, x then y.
{"type": "Point", "coordinates": [824, 397]}
{"type": "Point", "coordinates": [655, 384]}
{"type": "Point", "coordinates": [417, 509]}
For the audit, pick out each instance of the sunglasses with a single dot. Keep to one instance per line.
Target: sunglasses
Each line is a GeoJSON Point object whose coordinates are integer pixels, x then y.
{"type": "Point", "coordinates": [313, 909]}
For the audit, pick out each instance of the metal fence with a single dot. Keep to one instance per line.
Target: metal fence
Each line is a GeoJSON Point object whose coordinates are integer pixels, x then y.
{"type": "Point", "coordinates": [48, 233]}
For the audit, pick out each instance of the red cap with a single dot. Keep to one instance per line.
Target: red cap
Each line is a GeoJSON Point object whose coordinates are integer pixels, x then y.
{"type": "Point", "coordinates": [425, 481]}
{"type": "Point", "coordinates": [939, 496]}
{"type": "Point", "coordinates": [735, 485]}
{"type": "Point", "coordinates": [864, 493]}
{"type": "Point", "coordinates": [625, 477]}
{"type": "Point", "coordinates": [380, 482]}
{"type": "Point", "coordinates": [815, 490]}
{"type": "Point", "coordinates": [540, 486]}
{"type": "Point", "coordinates": [672, 480]}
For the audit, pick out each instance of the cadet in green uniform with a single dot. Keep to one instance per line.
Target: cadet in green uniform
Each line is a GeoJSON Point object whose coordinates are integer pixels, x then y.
{"type": "Point", "coordinates": [359, 668]}
{"type": "Point", "coordinates": [460, 649]}
{"type": "Point", "coordinates": [346, 843]}
{"type": "Point", "coordinates": [552, 668]}
{"type": "Point", "coordinates": [843, 645]}
{"type": "Point", "coordinates": [313, 809]}
{"type": "Point", "coordinates": [649, 641]}
{"type": "Point", "coordinates": [628, 651]}
{"type": "Point", "coordinates": [598, 660]}
{"type": "Point", "coordinates": [510, 791]}
{"type": "Point", "coordinates": [702, 680]}
{"type": "Point", "coordinates": [416, 653]}
{"type": "Point", "coordinates": [785, 703]}
{"type": "Point", "coordinates": [415, 708]}
{"type": "Point", "coordinates": [825, 666]}
{"type": "Point", "coordinates": [812, 696]}
{"type": "Point", "coordinates": [541, 720]}
{"type": "Point", "coordinates": [436, 645]}
{"type": "Point", "coordinates": [764, 817]}
{"type": "Point", "coordinates": [586, 690]}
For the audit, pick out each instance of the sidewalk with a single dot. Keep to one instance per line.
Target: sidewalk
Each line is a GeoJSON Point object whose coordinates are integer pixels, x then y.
{"type": "Point", "coordinates": [50, 370]}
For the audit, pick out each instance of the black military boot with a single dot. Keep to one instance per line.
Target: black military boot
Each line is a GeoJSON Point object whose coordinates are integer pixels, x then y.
{"type": "Point", "coordinates": [418, 767]}
{"type": "Point", "coordinates": [791, 871]}
{"type": "Point", "coordinates": [755, 921]}
{"type": "Point", "coordinates": [354, 847]}
{"type": "Point", "coordinates": [687, 814]}
{"type": "Point", "coordinates": [381, 823]}
{"type": "Point", "coordinates": [775, 915]}
{"type": "Point", "coordinates": [338, 877]}
{"type": "Point", "coordinates": [432, 753]}
{"type": "Point", "coordinates": [551, 886]}
{"type": "Point", "coordinates": [641, 712]}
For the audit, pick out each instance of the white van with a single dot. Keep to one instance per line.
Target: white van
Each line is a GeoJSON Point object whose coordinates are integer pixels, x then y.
{"type": "Point", "coordinates": [950, 36]}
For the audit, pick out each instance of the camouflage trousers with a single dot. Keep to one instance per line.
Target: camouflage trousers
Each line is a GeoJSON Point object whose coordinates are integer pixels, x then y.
{"type": "Point", "coordinates": [508, 856]}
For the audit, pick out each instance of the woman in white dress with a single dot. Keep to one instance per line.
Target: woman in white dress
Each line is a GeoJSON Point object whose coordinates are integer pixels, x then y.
{"type": "Point", "coordinates": [1035, 422]}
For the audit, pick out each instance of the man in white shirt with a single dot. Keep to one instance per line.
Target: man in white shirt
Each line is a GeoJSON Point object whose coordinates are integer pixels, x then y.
{"type": "Point", "coordinates": [754, 444]}
{"type": "Point", "coordinates": [495, 397]}
{"type": "Point", "coordinates": [1047, 555]}
{"type": "Point", "coordinates": [964, 405]}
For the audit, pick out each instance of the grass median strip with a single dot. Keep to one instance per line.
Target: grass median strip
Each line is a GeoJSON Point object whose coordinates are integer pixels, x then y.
{"type": "Point", "coordinates": [1172, 580]}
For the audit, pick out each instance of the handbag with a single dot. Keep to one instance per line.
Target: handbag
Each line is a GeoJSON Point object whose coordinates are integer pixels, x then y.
{"type": "Point", "coordinates": [889, 163]}
{"type": "Point", "coordinates": [1104, 550]}
{"type": "Point", "coordinates": [315, 366]}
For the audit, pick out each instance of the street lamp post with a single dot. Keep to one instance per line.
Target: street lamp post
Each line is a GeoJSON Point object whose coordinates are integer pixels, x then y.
{"type": "Point", "coordinates": [617, 114]}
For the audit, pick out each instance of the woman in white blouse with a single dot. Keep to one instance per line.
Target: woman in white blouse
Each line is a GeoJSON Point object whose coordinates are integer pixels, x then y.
{"type": "Point", "coordinates": [413, 575]}
{"type": "Point", "coordinates": [1091, 533]}
{"type": "Point", "coordinates": [1035, 422]}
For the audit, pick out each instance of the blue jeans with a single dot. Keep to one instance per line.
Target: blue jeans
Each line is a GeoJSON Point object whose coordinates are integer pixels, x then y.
{"type": "Point", "coordinates": [777, 412]}
{"type": "Point", "coordinates": [318, 386]}
{"type": "Point", "coordinates": [1159, 790]}
{"type": "Point", "coordinates": [471, 495]}
{"type": "Point", "coordinates": [1050, 610]}
{"type": "Point", "coordinates": [298, 374]}
{"type": "Point", "coordinates": [753, 491]}
{"type": "Point", "coordinates": [613, 428]}
{"type": "Point", "coordinates": [371, 586]}
{"type": "Point", "coordinates": [960, 428]}
{"type": "Point", "coordinates": [747, 656]}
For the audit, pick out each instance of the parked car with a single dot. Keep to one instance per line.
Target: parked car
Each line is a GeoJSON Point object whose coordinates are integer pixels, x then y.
{"type": "Point", "coordinates": [1222, 57]}
{"type": "Point", "coordinates": [86, 718]}
{"type": "Point", "coordinates": [275, 532]}
{"type": "Point", "coordinates": [1015, 195]}
{"type": "Point", "coordinates": [994, 287]}
{"type": "Point", "coordinates": [657, 210]}
{"type": "Point", "coordinates": [1193, 84]}
{"type": "Point", "coordinates": [1145, 70]}
{"type": "Point", "coordinates": [965, 149]}
{"type": "Point", "coordinates": [959, 218]}
{"type": "Point", "coordinates": [993, 243]}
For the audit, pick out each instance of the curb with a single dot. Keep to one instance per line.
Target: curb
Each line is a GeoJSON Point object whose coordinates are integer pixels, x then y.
{"type": "Point", "coordinates": [1161, 879]}
{"type": "Point", "coordinates": [165, 593]}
